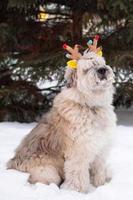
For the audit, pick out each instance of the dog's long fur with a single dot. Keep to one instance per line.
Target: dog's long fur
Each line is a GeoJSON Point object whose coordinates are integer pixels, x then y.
{"type": "Point", "coordinates": [72, 141]}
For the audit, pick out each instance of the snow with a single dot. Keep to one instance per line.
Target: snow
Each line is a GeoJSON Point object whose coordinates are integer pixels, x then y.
{"type": "Point", "coordinates": [14, 185]}
{"type": "Point", "coordinates": [47, 83]}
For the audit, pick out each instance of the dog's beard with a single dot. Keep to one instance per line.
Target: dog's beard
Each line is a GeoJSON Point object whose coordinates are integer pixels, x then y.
{"type": "Point", "coordinates": [93, 82]}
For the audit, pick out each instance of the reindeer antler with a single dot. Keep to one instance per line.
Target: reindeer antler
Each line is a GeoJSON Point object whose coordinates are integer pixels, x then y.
{"type": "Point", "coordinates": [93, 45]}
{"type": "Point", "coordinates": [75, 55]}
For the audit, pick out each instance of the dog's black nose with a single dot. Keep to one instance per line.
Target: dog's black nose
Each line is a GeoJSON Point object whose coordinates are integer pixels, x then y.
{"type": "Point", "coordinates": [102, 70]}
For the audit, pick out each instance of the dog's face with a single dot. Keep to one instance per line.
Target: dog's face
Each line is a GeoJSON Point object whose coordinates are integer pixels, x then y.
{"type": "Point", "coordinates": [93, 73]}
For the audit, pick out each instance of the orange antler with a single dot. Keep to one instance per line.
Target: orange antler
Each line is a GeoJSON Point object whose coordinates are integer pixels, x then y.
{"type": "Point", "coordinates": [93, 45]}
{"type": "Point", "coordinates": [74, 52]}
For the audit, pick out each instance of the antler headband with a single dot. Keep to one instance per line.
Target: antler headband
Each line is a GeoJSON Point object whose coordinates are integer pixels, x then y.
{"type": "Point", "coordinates": [76, 55]}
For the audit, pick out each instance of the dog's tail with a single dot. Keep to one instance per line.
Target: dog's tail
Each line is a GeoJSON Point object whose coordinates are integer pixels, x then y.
{"type": "Point", "coordinates": [16, 163]}
{"type": "Point", "coordinates": [12, 163]}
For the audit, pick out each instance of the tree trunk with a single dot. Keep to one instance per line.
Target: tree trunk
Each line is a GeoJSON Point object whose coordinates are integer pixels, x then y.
{"type": "Point", "coordinates": [77, 26]}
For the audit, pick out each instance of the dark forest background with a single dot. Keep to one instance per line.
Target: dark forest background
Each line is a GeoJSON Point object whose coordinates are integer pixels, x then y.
{"type": "Point", "coordinates": [31, 36]}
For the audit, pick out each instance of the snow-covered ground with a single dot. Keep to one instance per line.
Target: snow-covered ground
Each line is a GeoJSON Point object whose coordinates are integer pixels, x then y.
{"type": "Point", "coordinates": [14, 186]}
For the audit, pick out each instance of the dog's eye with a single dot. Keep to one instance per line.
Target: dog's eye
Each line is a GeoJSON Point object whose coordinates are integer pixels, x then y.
{"type": "Point", "coordinates": [85, 71]}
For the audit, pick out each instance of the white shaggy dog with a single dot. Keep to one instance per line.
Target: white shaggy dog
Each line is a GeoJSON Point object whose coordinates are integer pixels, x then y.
{"type": "Point", "coordinates": [70, 144]}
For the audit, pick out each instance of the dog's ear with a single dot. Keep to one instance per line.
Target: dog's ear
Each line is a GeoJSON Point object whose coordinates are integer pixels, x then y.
{"type": "Point", "coordinates": [71, 77]}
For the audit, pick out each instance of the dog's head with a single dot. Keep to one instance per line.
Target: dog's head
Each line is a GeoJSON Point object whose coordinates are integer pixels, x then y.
{"type": "Point", "coordinates": [93, 73]}
{"type": "Point", "coordinates": [93, 78]}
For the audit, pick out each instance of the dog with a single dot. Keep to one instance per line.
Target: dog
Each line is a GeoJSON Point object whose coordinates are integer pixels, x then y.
{"type": "Point", "coordinates": [70, 144]}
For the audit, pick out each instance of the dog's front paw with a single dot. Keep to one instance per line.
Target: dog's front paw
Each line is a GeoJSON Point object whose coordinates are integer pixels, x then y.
{"type": "Point", "coordinates": [101, 177]}
{"type": "Point", "coordinates": [99, 180]}
{"type": "Point", "coordinates": [75, 187]}
{"type": "Point", "coordinates": [68, 186]}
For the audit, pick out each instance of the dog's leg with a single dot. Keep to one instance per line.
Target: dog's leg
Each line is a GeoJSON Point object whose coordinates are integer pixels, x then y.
{"type": "Point", "coordinates": [46, 175]}
{"type": "Point", "coordinates": [99, 172]}
{"type": "Point", "coordinates": [76, 172]}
